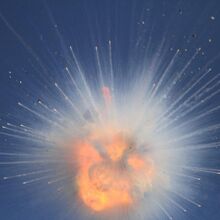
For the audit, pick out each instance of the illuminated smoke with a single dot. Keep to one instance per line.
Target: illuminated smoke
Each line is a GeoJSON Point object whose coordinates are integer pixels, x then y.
{"type": "Point", "coordinates": [118, 147]}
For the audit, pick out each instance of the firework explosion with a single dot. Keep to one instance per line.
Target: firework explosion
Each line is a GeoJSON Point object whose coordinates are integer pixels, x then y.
{"type": "Point", "coordinates": [115, 140]}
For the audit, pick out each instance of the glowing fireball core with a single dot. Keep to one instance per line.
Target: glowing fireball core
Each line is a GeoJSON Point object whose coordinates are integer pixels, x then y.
{"type": "Point", "coordinates": [111, 172]}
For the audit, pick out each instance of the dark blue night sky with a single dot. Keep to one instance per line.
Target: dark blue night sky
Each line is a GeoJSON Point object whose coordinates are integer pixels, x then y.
{"type": "Point", "coordinates": [34, 37]}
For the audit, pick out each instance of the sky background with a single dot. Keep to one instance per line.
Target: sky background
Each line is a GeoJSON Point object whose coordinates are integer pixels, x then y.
{"type": "Point", "coordinates": [131, 26]}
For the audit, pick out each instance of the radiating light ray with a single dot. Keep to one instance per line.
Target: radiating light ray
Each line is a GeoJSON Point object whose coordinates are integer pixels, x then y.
{"type": "Point", "coordinates": [32, 162]}
{"type": "Point", "coordinates": [23, 137]}
{"type": "Point", "coordinates": [187, 199]}
{"type": "Point", "coordinates": [203, 170]}
{"type": "Point", "coordinates": [175, 203]}
{"type": "Point", "coordinates": [53, 110]}
{"type": "Point", "coordinates": [195, 133]}
{"type": "Point", "coordinates": [174, 81]}
{"type": "Point", "coordinates": [38, 179]}
{"type": "Point", "coordinates": [99, 67]}
{"type": "Point", "coordinates": [82, 76]}
{"type": "Point", "coordinates": [164, 74]}
{"type": "Point", "coordinates": [171, 113]}
{"type": "Point", "coordinates": [196, 118]}
{"type": "Point", "coordinates": [193, 147]}
{"type": "Point", "coordinates": [26, 174]}
{"type": "Point", "coordinates": [14, 154]}
{"type": "Point", "coordinates": [69, 101]}
{"type": "Point", "coordinates": [39, 115]}
{"type": "Point", "coordinates": [58, 179]}
{"type": "Point", "coordinates": [182, 175]}
{"type": "Point", "coordinates": [199, 104]}
{"type": "Point", "coordinates": [22, 128]}
{"type": "Point", "coordinates": [164, 210]}
{"type": "Point", "coordinates": [130, 139]}
{"type": "Point", "coordinates": [111, 68]}
{"type": "Point", "coordinates": [200, 91]}
{"type": "Point", "coordinates": [75, 85]}
{"type": "Point", "coordinates": [21, 132]}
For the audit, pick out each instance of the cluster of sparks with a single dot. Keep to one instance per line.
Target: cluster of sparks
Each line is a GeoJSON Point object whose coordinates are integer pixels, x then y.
{"type": "Point", "coordinates": [124, 153]}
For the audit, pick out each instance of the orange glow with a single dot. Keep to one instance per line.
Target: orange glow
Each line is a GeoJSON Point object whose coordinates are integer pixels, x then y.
{"type": "Point", "coordinates": [107, 178]}
{"type": "Point", "coordinates": [136, 162]}
{"type": "Point", "coordinates": [116, 147]}
{"type": "Point", "coordinates": [107, 95]}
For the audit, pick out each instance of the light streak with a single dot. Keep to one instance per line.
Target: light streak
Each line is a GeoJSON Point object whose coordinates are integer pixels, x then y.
{"type": "Point", "coordinates": [130, 146]}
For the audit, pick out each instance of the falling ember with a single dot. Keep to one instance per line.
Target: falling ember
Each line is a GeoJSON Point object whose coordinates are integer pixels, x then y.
{"type": "Point", "coordinates": [104, 157]}
{"type": "Point", "coordinates": [107, 95]}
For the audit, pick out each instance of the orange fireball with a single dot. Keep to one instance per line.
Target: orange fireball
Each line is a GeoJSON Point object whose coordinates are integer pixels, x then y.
{"type": "Point", "coordinates": [110, 171]}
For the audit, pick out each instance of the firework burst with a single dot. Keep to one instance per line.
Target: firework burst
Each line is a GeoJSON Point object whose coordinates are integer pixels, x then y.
{"type": "Point", "coordinates": [116, 143]}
